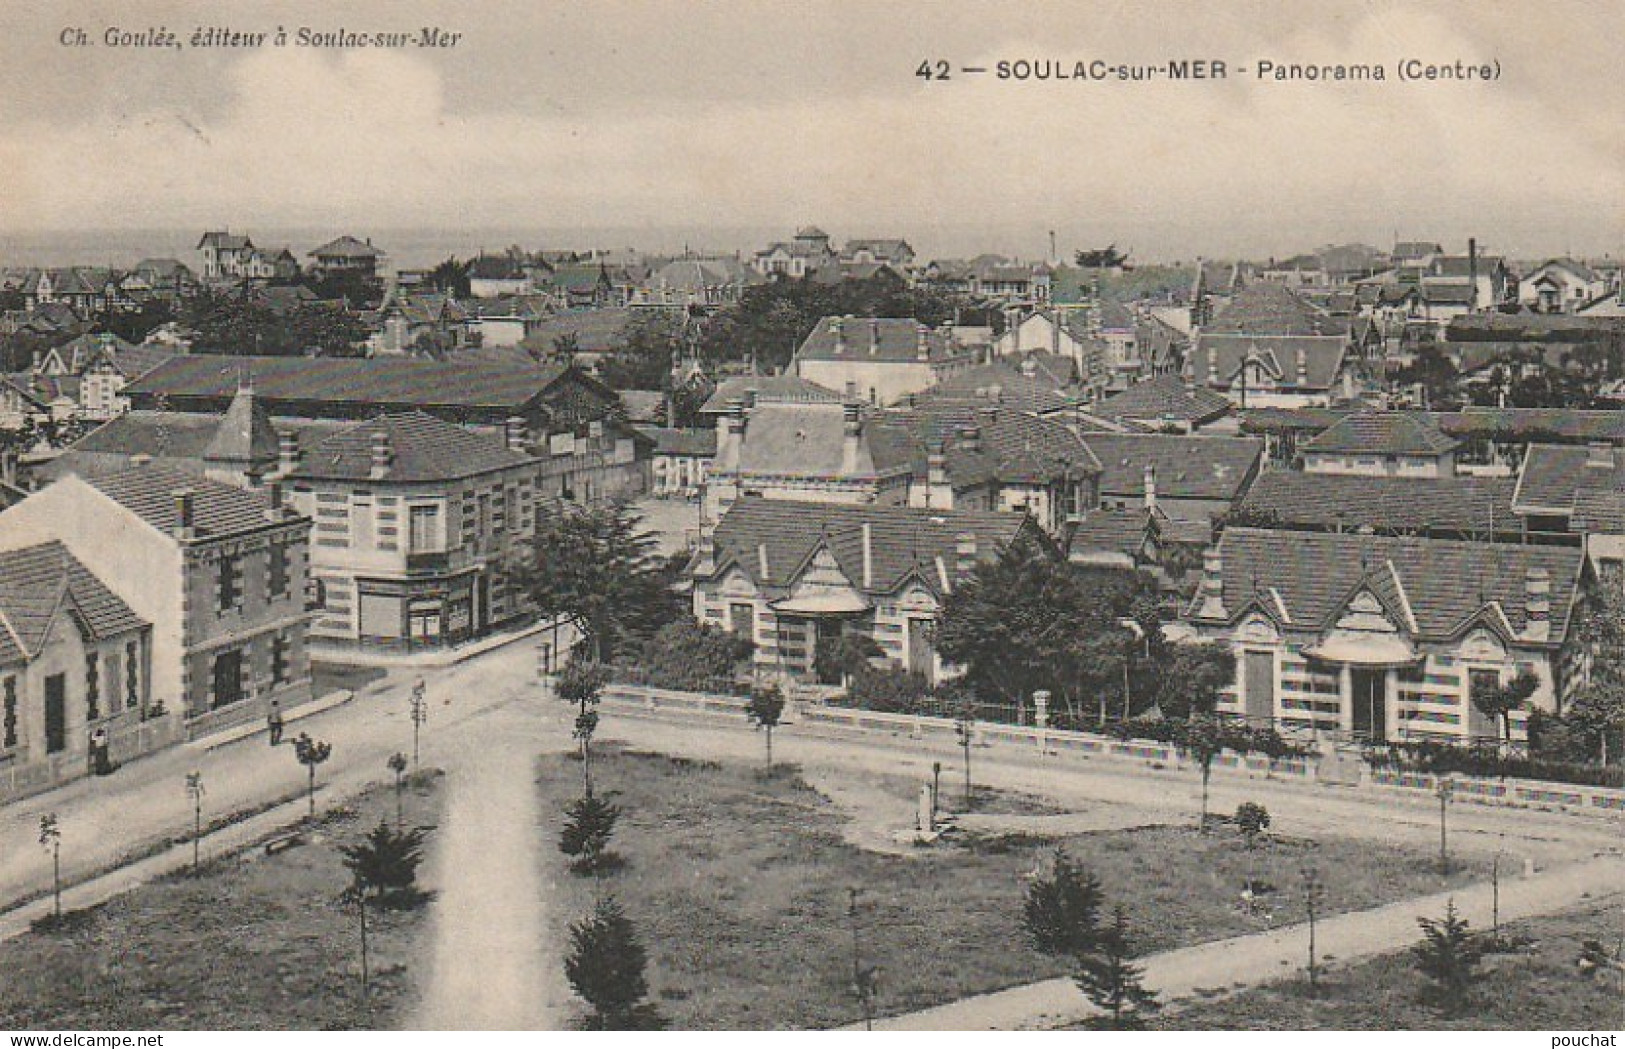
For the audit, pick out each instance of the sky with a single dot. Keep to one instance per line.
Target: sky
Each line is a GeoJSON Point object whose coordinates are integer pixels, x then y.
{"type": "Point", "coordinates": [722, 115]}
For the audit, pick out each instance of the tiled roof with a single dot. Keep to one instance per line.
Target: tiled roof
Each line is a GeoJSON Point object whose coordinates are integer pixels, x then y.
{"type": "Point", "coordinates": [245, 434]}
{"type": "Point", "coordinates": [1111, 532]}
{"type": "Point", "coordinates": [1554, 474]}
{"type": "Point", "coordinates": [1382, 433]}
{"type": "Point", "coordinates": [1266, 308]}
{"type": "Point", "coordinates": [1599, 511]}
{"type": "Point", "coordinates": [1522, 424]}
{"type": "Point", "coordinates": [225, 241]}
{"type": "Point", "coordinates": [422, 449]}
{"type": "Point", "coordinates": [1530, 327]}
{"type": "Point", "coordinates": [896, 339]}
{"type": "Point", "coordinates": [787, 387]}
{"type": "Point", "coordinates": [1445, 583]}
{"type": "Point", "coordinates": [903, 541]}
{"type": "Point", "coordinates": [346, 247]}
{"type": "Point", "coordinates": [1165, 397]}
{"type": "Point", "coordinates": [1009, 447]}
{"type": "Point", "coordinates": [1000, 383]}
{"type": "Point", "coordinates": [36, 584]}
{"type": "Point", "coordinates": [669, 440]}
{"type": "Point", "coordinates": [1458, 506]}
{"type": "Point", "coordinates": [595, 331]}
{"type": "Point", "coordinates": [1224, 354]}
{"type": "Point", "coordinates": [148, 491]}
{"type": "Point", "coordinates": [1217, 468]}
{"type": "Point", "coordinates": [383, 381]}
{"type": "Point", "coordinates": [179, 435]}
{"type": "Point", "coordinates": [807, 440]}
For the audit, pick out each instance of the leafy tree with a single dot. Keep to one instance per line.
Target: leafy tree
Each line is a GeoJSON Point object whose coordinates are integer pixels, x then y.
{"type": "Point", "coordinates": [834, 661]}
{"type": "Point", "coordinates": [1254, 820]}
{"type": "Point", "coordinates": [597, 566]}
{"type": "Point", "coordinates": [397, 765]}
{"type": "Point", "coordinates": [384, 864]}
{"type": "Point", "coordinates": [645, 351]}
{"type": "Point", "coordinates": [888, 689]}
{"type": "Point", "coordinates": [50, 839]}
{"type": "Point", "coordinates": [765, 708]}
{"type": "Point", "coordinates": [588, 826]}
{"type": "Point", "coordinates": [1433, 370]}
{"type": "Point", "coordinates": [236, 324]}
{"type": "Point", "coordinates": [580, 685]}
{"type": "Point", "coordinates": [606, 967]}
{"type": "Point", "coordinates": [1201, 741]}
{"type": "Point", "coordinates": [1101, 258]}
{"type": "Point", "coordinates": [1061, 913]}
{"type": "Point", "coordinates": [686, 654]}
{"type": "Point", "coordinates": [1110, 980]}
{"type": "Point", "coordinates": [135, 325]}
{"type": "Point", "coordinates": [1498, 701]}
{"type": "Point", "coordinates": [310, 753]}
{"type": "Point", "coordinates": [451, 276]}
{"type": "Point", "coordinates": [1189, 678]}
{"type": "Point", "coordinates": [1449, 957]}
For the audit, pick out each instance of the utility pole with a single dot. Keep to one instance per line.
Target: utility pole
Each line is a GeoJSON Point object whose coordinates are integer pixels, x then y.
{"type": "Point", "coordinates": [1446, 790]}
{"type": "Point", "coordinates": [420, 714]}
{"type": "Point", "coordinates": [194, 790]}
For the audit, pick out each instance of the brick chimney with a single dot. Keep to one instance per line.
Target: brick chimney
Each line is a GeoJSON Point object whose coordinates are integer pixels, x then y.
{"type": "Point", "coordinates": [851, 435]}
{"type": "Point", "coordinates": [1537, 588]}
{"type": "Point", "coordinates": [970, 438]}
{"type": "Point", "coordinates": [937, 492]}
{"type": "Point", "coordinates": [514, 433]}
{"type": "Point", "coordinates": [1303, 367]}
{"type": "Point", "coordinates": [922, 342]}
{"type": "Point", "coordinates": [729, 429]}
{"type": "Point", "coordinates": [287, 452]}
{"type": "Point", "coordinates": [1150, 487]}
{"type": "Point", "coordinates": [185, 515]}
{"type": "Point", "coordinates": [868, 556]}
{"type": "Point", "coordinates": [874, 336]}
{"type": "Point", "coordinates": [964, 554]}
{"type": "Point", "coordinates": [382, 456]}
{"type": "Point", "coordinates": [1212, 590]}
{"type": "Point", "coordinates": [837, 328]}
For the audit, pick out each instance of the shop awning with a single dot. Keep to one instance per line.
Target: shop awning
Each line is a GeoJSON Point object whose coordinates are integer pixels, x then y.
{"type": "Point", "coordinates": [828, 603]}
{"type": "Point", "coordinates": [1364, 650]}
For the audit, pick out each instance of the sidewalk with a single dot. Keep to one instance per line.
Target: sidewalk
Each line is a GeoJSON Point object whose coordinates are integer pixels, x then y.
{"type": "Point", "coordinates": [1265, 957]}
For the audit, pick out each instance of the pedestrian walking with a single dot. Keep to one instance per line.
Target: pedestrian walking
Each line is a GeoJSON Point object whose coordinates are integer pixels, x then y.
{"type": "Point", "coordinates": [99, 763]}
{"type": "Point", "coordinates": [273, 721]}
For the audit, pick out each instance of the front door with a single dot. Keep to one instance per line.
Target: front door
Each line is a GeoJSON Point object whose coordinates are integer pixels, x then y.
{"type": "Point", "coordinates": [919, 646]}
{"type": "Point", "coordinates": [1260, 671]}
{"type": "Point", "coordinates": [56, 714]}
{"type": "Point", "coordinates": [228, 678]}
{"type": "Point", "coordinates": [1370, 703]}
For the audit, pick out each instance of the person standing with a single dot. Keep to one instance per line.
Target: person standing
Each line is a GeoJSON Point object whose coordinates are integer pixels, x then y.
{"type": "Point", "coordinates": [273, 721]}
{"type": "Point", "coordinates": [99, 763]}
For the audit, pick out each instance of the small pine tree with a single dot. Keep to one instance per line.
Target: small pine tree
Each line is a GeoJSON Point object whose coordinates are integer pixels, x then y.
{"type": "Point", "coordinates": [1449, 956]}
{"type": "Point", "coordinates": [1061, 913]}
{"type": "Point", "coordinates": [1254, 820]}
{"type": "Point", "coordinates": [606, 967]}
{"type": "Point", "coordinates": [1110, 980]}
{"type": "Point", "coordinates": [385, 863]}
{"type": "Point", "coordinates": [588, 826]}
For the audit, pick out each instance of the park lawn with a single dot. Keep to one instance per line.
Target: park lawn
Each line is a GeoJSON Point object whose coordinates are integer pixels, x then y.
{"type": "Point", "coordinates": [254, 942]}
{"type": "Point", "coordinates": [739, 887]}
{"type": "Point", "coordinates": [1537, 988]}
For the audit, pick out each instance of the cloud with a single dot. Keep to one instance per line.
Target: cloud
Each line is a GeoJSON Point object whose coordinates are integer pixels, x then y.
{"type": "Point", "coordinates": [375, 138]}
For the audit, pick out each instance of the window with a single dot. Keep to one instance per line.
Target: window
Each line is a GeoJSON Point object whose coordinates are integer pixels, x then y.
{"type": "Point", "coordinates": [279, 570]}
{"type": "Point", "coordinates": [132, 675]}
{"type": "Point", "coordinates": [424, 529]}
{"type": "Point", "coordinates": [279, 660]}
{"type": "Point", "coordinates": [228, 678]}
{"type": "Point", "coordinates": [229, 585]}
{"type": "Point", "coordinates": [93, 691]}
{"type": "Point", "coordinates": [9, 724]}
{"type": "Point", "coordinates": [315, 594]}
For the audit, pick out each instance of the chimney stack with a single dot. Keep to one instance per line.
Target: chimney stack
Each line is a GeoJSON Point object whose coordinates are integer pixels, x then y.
{"type": "Point", "coordinates": [513, 432]}
{"type": "Point", "coordinates": [1537, 604]}
{"type": "Point", "coordinates": [287, 452]}
{"type": "Point", "coordinates": [874, 335]}
{"type": "Point", "coordinates": [761, 560]}
{"type": "Point", "coordinates": [922, 342]}
{"type": "Point", "coordinates": [1600, 455]}
{"type": "Point", "coordinates": [837, 329]}
{"type": "Point", "coordinates": [1212, 591]}
{"type": "Point", "coordinates": [273, 508]}
{"type": "Point", "coordinates": [185, 519]}
{"type": "Point", "coordinates": [868, 557]}
{"type": "Point", "coordinates": [1150, 487]}
{"type": "Point", "coordinates": [1303, 367]}
{"type": "Point", "coordinates": [851, 435]}
{"type": "Point", "coordinates": [382, 456]}
{"type": "Point", "coordinates": [970, 438]}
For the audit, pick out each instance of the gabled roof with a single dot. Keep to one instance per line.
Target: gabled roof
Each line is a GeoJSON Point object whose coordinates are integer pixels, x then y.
{"type": "Point", "coordinates": [1382, 433]}
{"type": "Point", "coordinates": [1224, 355]}
{"type": "Point", "coordinates": [1446, 506]}
{"type": "Point", "coordinates": [224, 241]}
{"type": "Point", "coordinates": [383, 381]}
{"type": "Point", "coordinates": [149, 490]}
{"type": "Point", "coordinates": [1216, 468]}
{"type": "Point", "coordinates": [1446, 583]}
{"type": "Point", "coordinates": [807, 440]}
{"type": "Point", "coordinates": [595, 331]}
{"type": "Point", "coordinates": [1008, 447]}
{"type": "Point", "coordinates": [904, 542]}
{"type": "Point", "coordinates": [1000, 383]}
{"type": "Point", "coordinates": [179, 435]}
{"type": "Point", "coordinates": [1165, 397]}
{"type": "Point", "coordinates": [422, 449]}
{"type": "Point", "coordinates": [1266, 308]}
{"type": "Point", "coordinates": [786, 388]}
{"type": "Point", "coordinates": [875, 339]}
{"type": "Point", "coordinates": [1553, 475]}
{"type": "Point", "coordinates": [37, 583]}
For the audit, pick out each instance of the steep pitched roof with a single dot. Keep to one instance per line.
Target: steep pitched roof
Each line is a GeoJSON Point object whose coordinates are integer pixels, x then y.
{"type": "Point", "coordinates": [224, 241]}
{"type": "Point", "coordinates": [807, 440]}
{"type": "Point", "coordinates": [1446, 583]}
{"type": "Point", "coordinates": [1009, 446]}
{"type": "Point", "coordinates": [245, 434]}
{"type": "Point", "coordinates": [1382, 433]}
{"type": "Point", "coordinates": [783, 536]}
{"type": "Point", "coordinates": [346, 247]}
{"type": "Point", "coordinates": [37, 583]}
{"type": "Point", "coordinates": [1224, 354]}
{"type": "Point", "coordinates": [1453, 506]}
{"type": "Point", "coordinates": [1266, 308]}
{"type": "Point", "coordinates": [149, 490]}
{"type": "Point", "coordinates": [1000, 383]}
{"type": "Point", "coordinates": [422, 449]}
{"type": "Point", "coordinates": [180, 435]}
{"type": "Point", "coordinates": [1216, 468]}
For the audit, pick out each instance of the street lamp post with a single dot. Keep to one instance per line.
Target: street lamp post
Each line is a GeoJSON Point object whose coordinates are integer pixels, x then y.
{"type": "Point", "coordinates": [1446, 791]}
{"type": "Point", "coordinates": [420, 714]}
